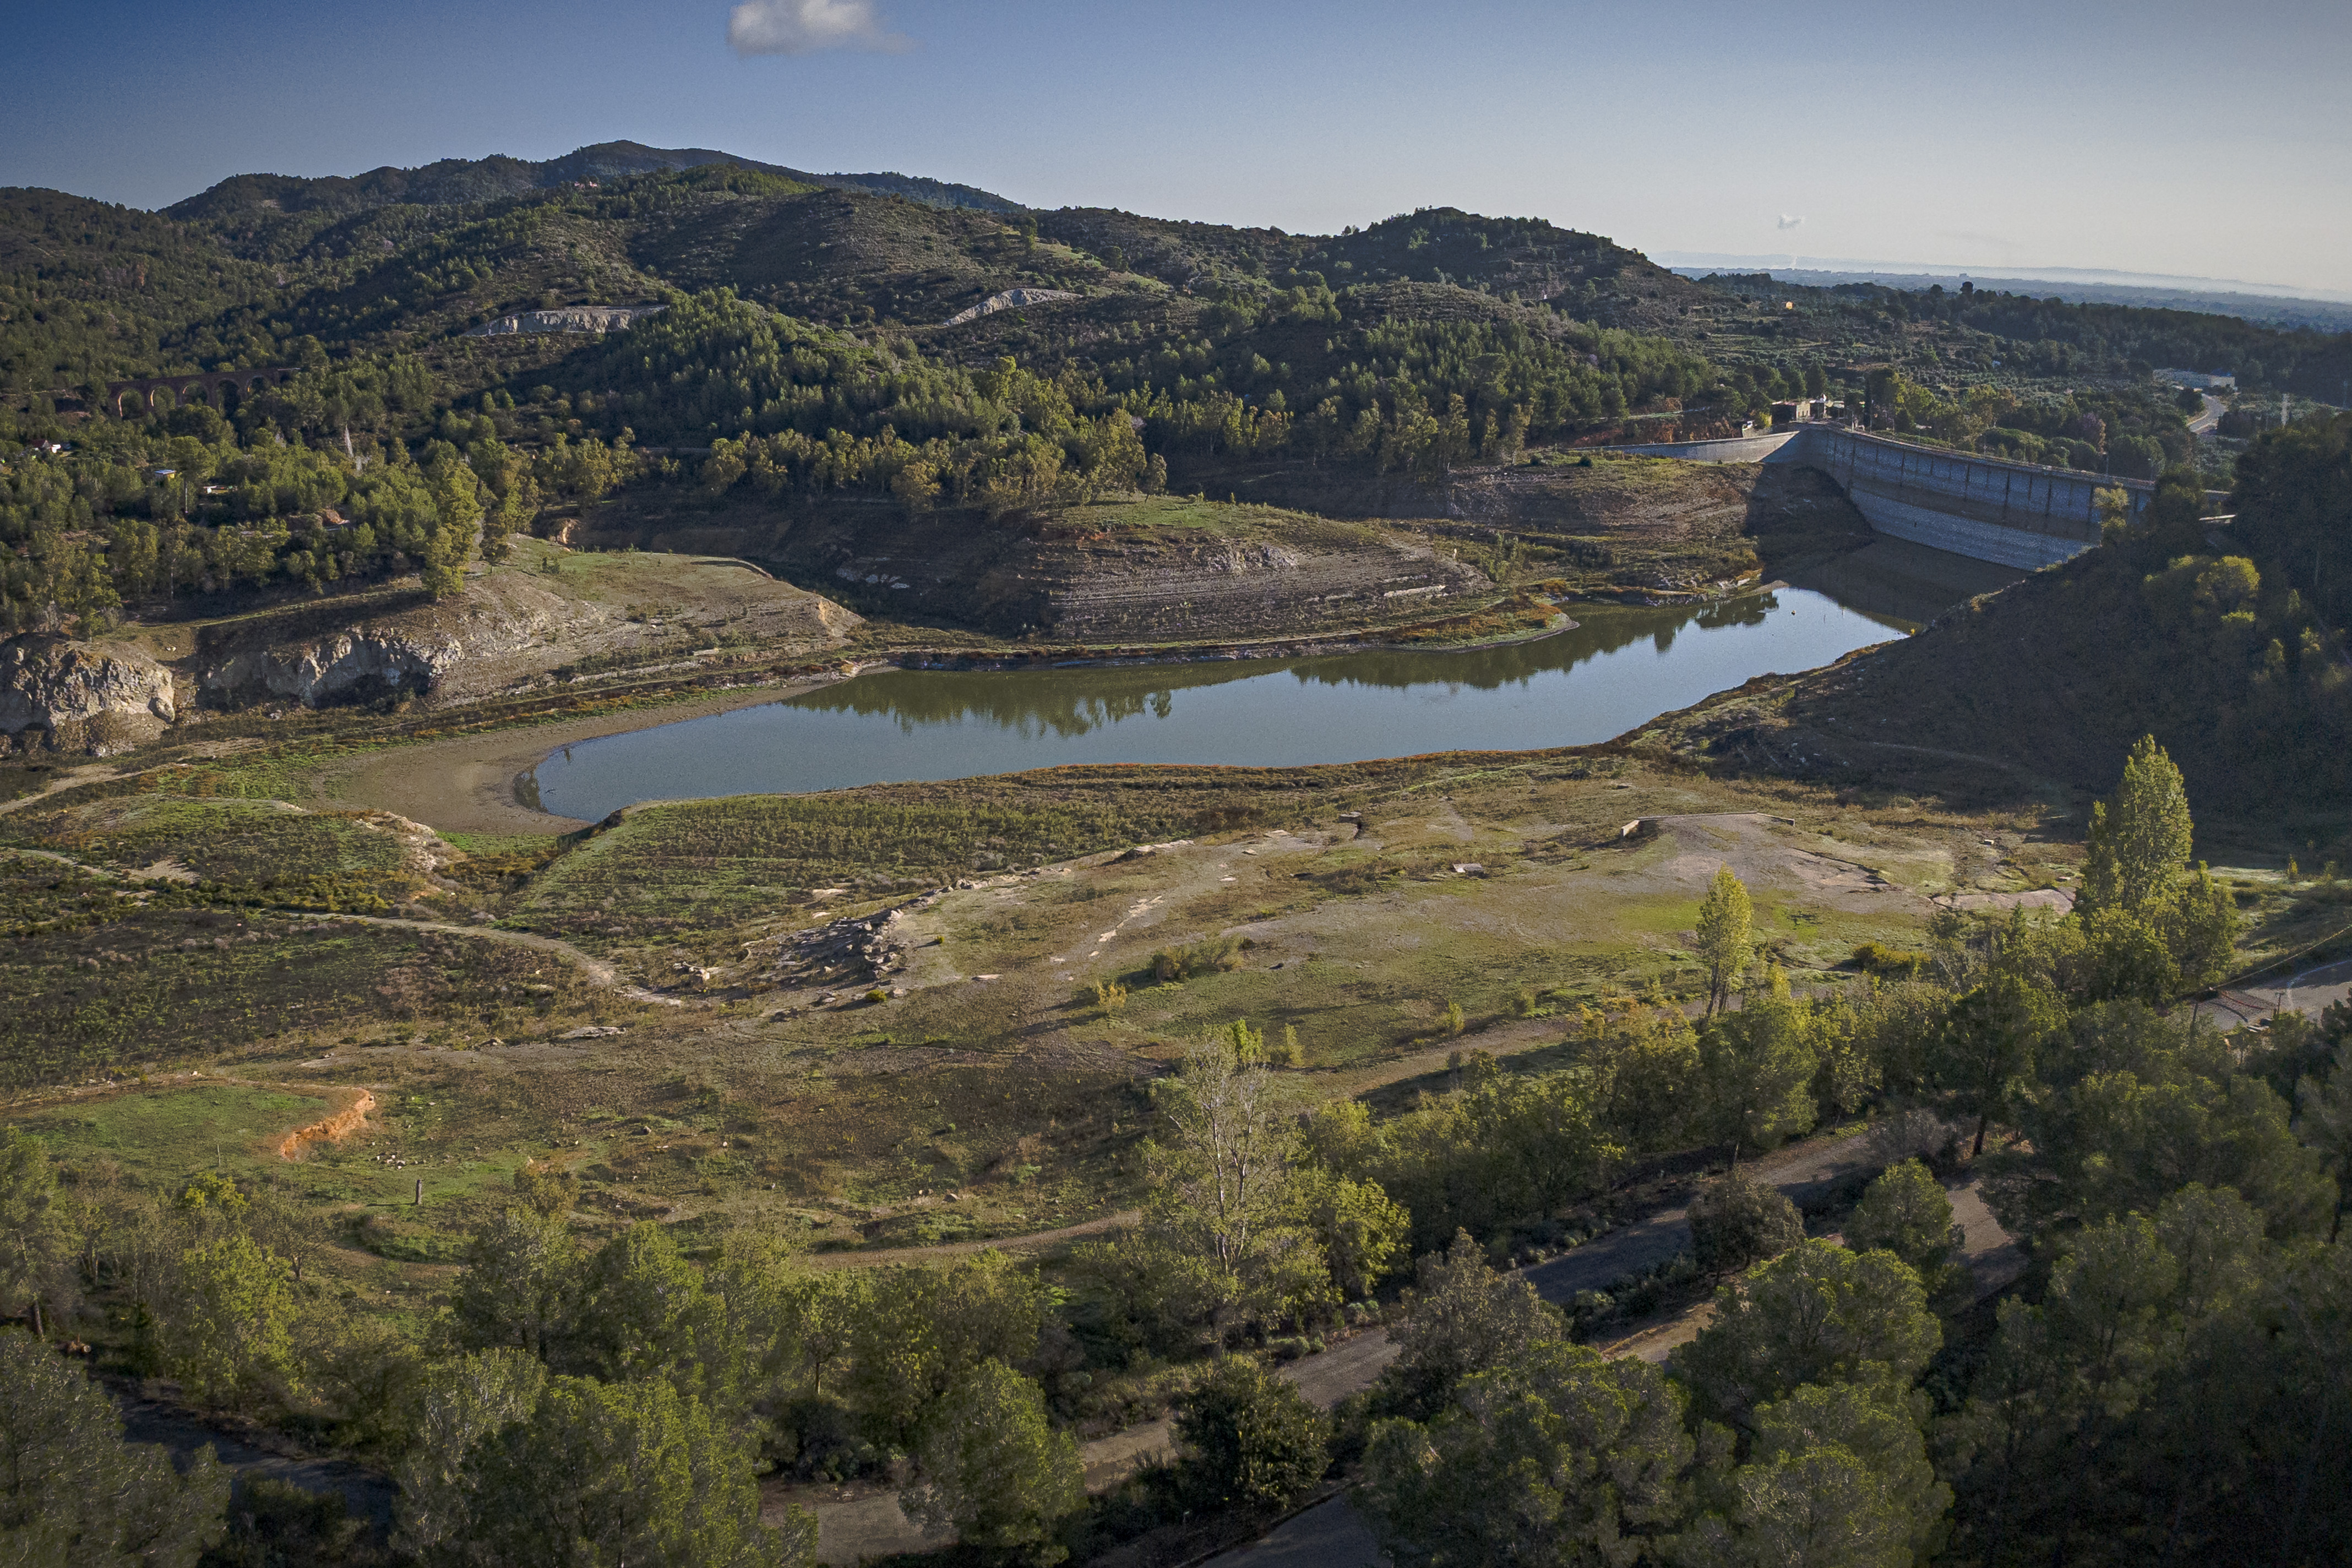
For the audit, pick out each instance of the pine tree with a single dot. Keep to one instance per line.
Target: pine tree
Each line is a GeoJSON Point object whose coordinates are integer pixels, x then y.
{"type": "Point", "coordinates": [995, 1466]}
{"type": "Point", "coordinates": [71, 1490]}
{"type": "Point", "coordinates": [33, 1243]}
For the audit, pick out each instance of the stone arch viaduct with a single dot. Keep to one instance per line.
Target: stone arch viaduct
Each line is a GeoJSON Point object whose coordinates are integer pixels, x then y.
{"type": "Point", "coordinates": [2018, 514]}
{"type": "Point", "coordinates": [221, 388]}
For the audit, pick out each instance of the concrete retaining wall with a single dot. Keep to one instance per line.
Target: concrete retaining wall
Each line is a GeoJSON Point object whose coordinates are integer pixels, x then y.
{"type": "Point", "coordinates": [1730, 449]}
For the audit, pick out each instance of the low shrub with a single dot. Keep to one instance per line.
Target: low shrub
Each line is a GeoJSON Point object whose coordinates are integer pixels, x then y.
{"type": "Point", "coordinates": [1212, 955]}
{"type": "Point", "coordinates": [1877, 958]}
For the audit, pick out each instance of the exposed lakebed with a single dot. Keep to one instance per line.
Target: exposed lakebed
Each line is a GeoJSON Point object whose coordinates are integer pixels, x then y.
{"type": "Point", "coordinates": [1615, 668]}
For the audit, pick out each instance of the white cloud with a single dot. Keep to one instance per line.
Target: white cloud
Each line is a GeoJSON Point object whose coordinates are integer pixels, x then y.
{"type": "Point", "coordinates": [804, 27]}
{"type": "Point", "coordinates": [1787, 220]}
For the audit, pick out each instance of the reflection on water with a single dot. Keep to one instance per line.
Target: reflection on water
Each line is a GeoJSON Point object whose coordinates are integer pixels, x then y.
{"type": "Point", "coordinates": [1896, 578]}
{"type": "Point", "coordinates": [1617, 668]}
{"type": "Point", "coordinates": [1076, 700]}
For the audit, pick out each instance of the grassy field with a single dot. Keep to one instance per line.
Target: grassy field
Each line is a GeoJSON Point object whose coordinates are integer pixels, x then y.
{"type": "Point", "coordinates": [1184, 520]}
{"type": "Point", "coordinates": [988, 1092]}
{"type": "Point", "coordinates": [145, 930]}
{"type": "Point", "coordinates": [125, 989]}
{"type": "Point", "coordinates": [241, 843]}
{"type": "Point", "coordinates": [182, 1130]}
{"type": "Point", "coordinates": [707, 866]}
{"type": "Point", "coordinates": [998, 1074]}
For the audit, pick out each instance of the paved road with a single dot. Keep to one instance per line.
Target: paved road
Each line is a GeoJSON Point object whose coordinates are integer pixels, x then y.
{"type": "Point", "coordinates": [1335, 1535]}
{"type": "Point", "coordinates": [2307, 992]}
{"type": "Point", "coordinates": [2203, 423]}
{"type": "Point", "coordinates": [1331, 1533]}
{"type": "Point", "coordinates": [1807, 1172]}
{"type": "Point", "coordinates": [855, 1525]}
{"type": "Point", "coordinates": [367, 1494]}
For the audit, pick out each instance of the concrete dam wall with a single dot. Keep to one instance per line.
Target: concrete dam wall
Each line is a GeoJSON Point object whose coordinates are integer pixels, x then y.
{"type": "Point", "coordinates": [2017, 514]}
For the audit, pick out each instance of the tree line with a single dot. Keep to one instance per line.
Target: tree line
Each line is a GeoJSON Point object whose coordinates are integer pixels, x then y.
{"type": "Point", "coordinates": [339, 477]}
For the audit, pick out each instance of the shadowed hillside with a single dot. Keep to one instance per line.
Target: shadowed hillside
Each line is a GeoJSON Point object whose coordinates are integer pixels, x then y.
{"type": "Point", "coordinates": [2225, 641]}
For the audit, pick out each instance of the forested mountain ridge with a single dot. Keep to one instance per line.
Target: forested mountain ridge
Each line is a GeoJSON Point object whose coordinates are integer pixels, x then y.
{"type": "Point", "coordinates": [457, 181]}
{"type": "Point", "coordinates": [2016, 339]}
{"type": "Point", "coordinates": [401, 258]}
{"type": "Point", "coordinates": [90, 291]}
{"type": "Point", "coordinates": [808, 349]}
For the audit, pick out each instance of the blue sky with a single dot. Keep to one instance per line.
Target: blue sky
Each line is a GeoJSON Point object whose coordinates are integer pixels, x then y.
{"type": "Point", "coordinates": [2190, 138]}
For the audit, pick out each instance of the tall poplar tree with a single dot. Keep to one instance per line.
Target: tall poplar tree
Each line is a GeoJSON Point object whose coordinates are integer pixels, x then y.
{"type": "Point", "coordinates": [2140, 836]}
{"type": "Point", "coordinates": [1727, 942]}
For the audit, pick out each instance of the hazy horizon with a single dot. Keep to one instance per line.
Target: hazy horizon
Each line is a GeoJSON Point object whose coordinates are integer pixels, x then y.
{"type": "Point", "coordinates": [2109, 140]}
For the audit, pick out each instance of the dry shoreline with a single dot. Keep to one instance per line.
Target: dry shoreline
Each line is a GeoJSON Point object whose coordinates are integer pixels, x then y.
{"type": "Point", "coordinates": [465, 784]}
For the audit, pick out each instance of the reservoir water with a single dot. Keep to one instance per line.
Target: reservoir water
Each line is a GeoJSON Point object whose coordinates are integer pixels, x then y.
{"type": "Point", "coordinates": [1617, 668]}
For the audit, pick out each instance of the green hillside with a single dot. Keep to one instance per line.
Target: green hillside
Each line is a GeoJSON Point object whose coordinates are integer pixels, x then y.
{"type": "Point", "coordinates": [807, 348]}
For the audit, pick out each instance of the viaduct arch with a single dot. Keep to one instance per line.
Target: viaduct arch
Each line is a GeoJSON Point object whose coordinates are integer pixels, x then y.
{"type": "Point", "coordinates": [2017, 514]}
{"type": "Point", "coordinates": [217, 388]}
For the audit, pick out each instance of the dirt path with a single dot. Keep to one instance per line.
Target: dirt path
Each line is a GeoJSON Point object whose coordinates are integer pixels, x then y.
{"type": "Point", "coordinates": [597, 970]}
{"type": "Point", "coordinates": [2053, 792]}
{"type": "Point", "coordinates": [66, 780]}
{"type": "Point", "coordinates": [882, 1257]}
{"type": "Point", "coordinates": [53, 858]}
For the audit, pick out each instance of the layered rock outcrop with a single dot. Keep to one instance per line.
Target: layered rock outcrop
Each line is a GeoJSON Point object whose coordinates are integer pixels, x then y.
{"type": "Point", "coordinates": [355, 666]}
{"type": "Point", "coordinates": [68, 696]}
{"type": "Point", "coordinates": [1278, 578]}
{"type": "Point", "coordinates": [508, 627]}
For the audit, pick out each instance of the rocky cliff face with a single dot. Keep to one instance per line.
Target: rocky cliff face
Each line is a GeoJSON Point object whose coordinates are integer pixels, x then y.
{"type": "Point", "coordinates": [68, 696]}
{"type": "Point", "coordinates": [508, 627]}
{"type": "Point", "coordinates": [408, 652]}
{"type": "Point", "coordinates": [355, 666]}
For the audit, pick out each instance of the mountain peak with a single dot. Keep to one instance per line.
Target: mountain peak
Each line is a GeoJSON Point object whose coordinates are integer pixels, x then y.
{"type": "Point", "coordinates": [461, 180]}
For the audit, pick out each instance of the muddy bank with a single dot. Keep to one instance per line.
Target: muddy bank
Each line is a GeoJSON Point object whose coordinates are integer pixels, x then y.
{"type": "Point", "coordinates": [467, 783]}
